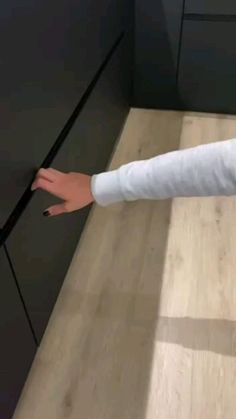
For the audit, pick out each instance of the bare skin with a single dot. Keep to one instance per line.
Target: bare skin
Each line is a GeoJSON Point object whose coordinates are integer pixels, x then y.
{"type": "Point", "coordinates": [74, 189]}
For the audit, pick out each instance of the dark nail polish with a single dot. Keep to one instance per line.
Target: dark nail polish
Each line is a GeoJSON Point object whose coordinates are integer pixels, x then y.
{"type": "Point", "coordinates": [46, 213]}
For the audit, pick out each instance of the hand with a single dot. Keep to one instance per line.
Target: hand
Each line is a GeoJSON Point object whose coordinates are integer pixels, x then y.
{"type": "Point", "coordinates": [73, 188]}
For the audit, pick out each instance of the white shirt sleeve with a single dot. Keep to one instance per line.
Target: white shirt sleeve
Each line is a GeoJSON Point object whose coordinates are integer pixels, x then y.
{"type": "Point", "coordinates": [205, 170]}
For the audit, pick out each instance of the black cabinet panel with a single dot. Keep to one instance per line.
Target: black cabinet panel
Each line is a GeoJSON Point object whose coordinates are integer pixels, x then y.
{"type": "Point", "coordinates": [50, 51]}
{"type": "Point", "coordinates": [207, 79]}
{"type": "Point", "coordinates": [41, 248]}
{"type": "Point", "coordinates": [227, 7]}
{"type": "Point", "coordinates": [17, 346]}
{"type": "Point", "coordinates": [157, 36]}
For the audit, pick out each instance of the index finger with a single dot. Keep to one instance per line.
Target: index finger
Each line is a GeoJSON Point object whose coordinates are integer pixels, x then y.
{"type": "Point", "coordinates": [52, 188]}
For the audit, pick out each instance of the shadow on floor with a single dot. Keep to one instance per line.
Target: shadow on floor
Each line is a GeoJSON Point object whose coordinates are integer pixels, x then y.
{"type": "Point", "coordinates": [213, 335]}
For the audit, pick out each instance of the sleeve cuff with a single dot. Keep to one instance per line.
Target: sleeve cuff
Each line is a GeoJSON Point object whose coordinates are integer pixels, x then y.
{"type": "Point", "coordinates": [106, 188]}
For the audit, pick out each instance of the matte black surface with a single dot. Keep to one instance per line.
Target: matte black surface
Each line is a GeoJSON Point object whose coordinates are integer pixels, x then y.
{"type": "Point", "coordinates": [157, 34]}
{"type": "Point", "coordinates": [23, 202]}
{"type": "Point", "coordinates": [41, 248]}
{"type": "Point", "coordinates": [17, 347]}
{"type": "Point", "coordinates": [49, 53]}
{"type": "Point", "coordinates": [207, 79]}
{"type": "Point", "coordinates": [227, 7]}
{"type": "Point", "coordinates": [210, 17]}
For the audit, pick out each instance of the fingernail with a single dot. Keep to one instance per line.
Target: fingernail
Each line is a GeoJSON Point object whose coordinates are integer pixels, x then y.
{"type": "Point", "coordinates": [46, 213]}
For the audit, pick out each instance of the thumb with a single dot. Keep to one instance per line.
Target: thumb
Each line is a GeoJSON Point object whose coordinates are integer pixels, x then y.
{"type": "Point", "coordinates": [55, 210]}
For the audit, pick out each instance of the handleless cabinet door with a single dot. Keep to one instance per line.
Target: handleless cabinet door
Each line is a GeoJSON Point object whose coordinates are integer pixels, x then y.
{"type": "Point", "coordinates": [50, 52]}
{"type": "Point", "coordinates": [212, 7]}
{"type": "Point", "coordinates": [41, 248]}
{"type": "Point", "coordinates": [207, 79]}
{"type": "Point", "coordinates": [157, 36]}
{"type": "Point", "coordinates": [17, 347]}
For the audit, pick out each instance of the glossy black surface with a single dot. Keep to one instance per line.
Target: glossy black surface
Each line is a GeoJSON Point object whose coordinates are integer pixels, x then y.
{"type": "Point", "coordinates": [157, 36]}
{"type": "Point", "coordinates": [17, 346]}
{"type": "Point", "coordinates": [49, 54]}
{"type": "Point", "coordinates": [41, 248]}
{"type": "Point", "coordinates": [227, 7]}
{"type": "Point", "coordinates": [207, 79]}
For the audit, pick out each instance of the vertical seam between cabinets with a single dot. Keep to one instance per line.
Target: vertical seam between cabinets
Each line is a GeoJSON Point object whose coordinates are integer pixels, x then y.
{"type": "Point", "coordinates": [180, 41]}
{"type": "Point", "coordinates": [20, 294]}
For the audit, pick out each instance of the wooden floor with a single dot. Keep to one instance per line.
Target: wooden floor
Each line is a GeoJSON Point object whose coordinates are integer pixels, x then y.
{"type": "Point", "coordinates": [145, 326]}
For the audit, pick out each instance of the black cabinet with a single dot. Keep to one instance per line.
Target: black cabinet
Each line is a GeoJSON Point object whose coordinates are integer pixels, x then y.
{"type": "Point", "coordinates": [17, 346]}
{"type": "Point", "coordinates": [50, 51]}
{"type": "Point", "coordinates": [208, 66]}
{"type": "Point", "coordinates": [212, 7]}
{"type": "Point", "coordinates": [157, 36]}
{"type": "Point", "coordinates": [40, 248]}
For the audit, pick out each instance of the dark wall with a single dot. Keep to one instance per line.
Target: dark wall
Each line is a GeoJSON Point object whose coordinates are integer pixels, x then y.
{"type": "Point", "coordinates": [212, 7]}
{"type": "Point", "coordinates": [157, 36]}
{"type": "Point", "coordinates": [185, 55]}
{"type": "Point", "coordinates": [208, 66]}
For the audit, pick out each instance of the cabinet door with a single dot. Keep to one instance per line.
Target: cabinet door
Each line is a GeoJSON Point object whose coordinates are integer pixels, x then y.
{"type": "Point", "coordinates": [50, 52]}
{"type": "Point", "coordinates": [157, 37]}
{"type": "Point", "coordinates": [212, 7]}
{"type": "Point", "coordinates": [207, 79]}
{"type": "Point", "coordinates": [17, 346]}
{"type": "Point", "coordinates": [41, 248]}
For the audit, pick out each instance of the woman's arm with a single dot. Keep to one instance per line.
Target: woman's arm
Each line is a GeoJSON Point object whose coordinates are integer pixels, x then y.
{"type": "Point", "coordinates": [206, 170]}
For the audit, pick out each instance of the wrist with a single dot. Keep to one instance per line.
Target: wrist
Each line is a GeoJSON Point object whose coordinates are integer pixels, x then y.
{"type": "Point", "coordinates": [106, 188]}
{"type": "Point", "coordinates": [90, 190]}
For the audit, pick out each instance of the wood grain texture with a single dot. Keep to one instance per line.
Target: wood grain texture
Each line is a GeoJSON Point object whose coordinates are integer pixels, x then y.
{"type": "Point", "coordinates": [145, 324]}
